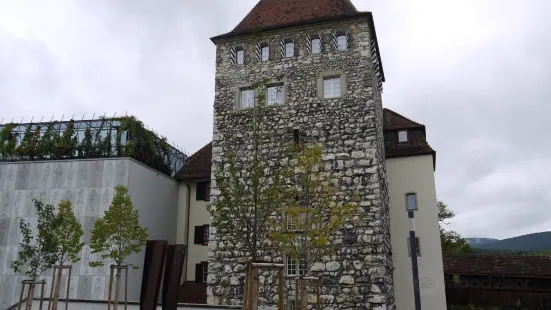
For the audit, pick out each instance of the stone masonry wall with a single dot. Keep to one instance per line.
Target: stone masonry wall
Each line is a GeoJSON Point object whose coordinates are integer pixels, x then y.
{"type": "Point", "coordinates": [359, 274]}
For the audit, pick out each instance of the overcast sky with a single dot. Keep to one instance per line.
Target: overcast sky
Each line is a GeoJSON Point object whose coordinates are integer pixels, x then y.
{"type": "Point", "coordinates": [476, 73]}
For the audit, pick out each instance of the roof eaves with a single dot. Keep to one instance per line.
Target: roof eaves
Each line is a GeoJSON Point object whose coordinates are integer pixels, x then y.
{"type": "Point", "coordinates": [296, 24]}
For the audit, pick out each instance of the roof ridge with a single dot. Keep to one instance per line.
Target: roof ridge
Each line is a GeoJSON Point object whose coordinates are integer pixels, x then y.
{"type": "Point", "coordinates": [400, 115]}
{"type": "Point", "coordinates": [246, 16]}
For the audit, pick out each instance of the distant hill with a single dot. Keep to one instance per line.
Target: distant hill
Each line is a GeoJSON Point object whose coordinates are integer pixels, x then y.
{"type": "Point", "coordinates": [535, 242]}
{"type": "Point", "coordinates": [475, 242]}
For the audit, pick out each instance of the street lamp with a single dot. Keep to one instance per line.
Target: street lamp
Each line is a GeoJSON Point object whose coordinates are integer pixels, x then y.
{"type": "Point", "coordinates": [414, 267]}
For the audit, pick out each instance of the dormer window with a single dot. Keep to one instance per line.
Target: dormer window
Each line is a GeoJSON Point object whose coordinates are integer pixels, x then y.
{"type": "Point", "coordinates": [316, 46]}
{"type": "Point", "coordinates": [402, 136]}
{"type": "Point", "coordinates": [239, 56]}
{"type": "Point", "coordinates": [289, 49]}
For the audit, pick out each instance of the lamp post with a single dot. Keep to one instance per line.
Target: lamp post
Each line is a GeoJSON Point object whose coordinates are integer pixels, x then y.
{"type": "Point", "coordinates": [414, 267]}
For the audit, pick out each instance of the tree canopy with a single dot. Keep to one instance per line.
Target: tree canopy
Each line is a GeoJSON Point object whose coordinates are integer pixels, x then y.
{"type": "Point", "coordinates": [451, 241]}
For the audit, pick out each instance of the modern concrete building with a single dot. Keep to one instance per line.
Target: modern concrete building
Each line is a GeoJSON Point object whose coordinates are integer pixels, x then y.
{"type": "Point", "coordinates": [85, 173]}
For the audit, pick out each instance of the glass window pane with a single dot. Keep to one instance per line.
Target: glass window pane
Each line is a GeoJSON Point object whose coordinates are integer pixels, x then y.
{"type": "Point", "coordinates": [332, 87]}
{"type": "Point", "coordinates": [265, 53]}
{"type": "Point", "coordinates": [316, 46]}
{"type": "Point", "coordinates": [247, 98]}
{"type": "Point", "coordinates": [411, 202]}
{"type": "Point", "coordinates": [341, 43]}
{"type": "Point", "coordinates": [402, 136]}
{"type": "Point", "coordinates": [240, 57]}
{"type": "Point", "coordinates": [289, 49]}
{"type": "Point", "coordinates": [275, 95]}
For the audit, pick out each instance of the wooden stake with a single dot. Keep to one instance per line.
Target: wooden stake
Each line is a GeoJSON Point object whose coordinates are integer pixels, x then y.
{"type": "Point", "coordinates": [318, 293]}
{"type": "Point", "coordinates": [68, 285]}
{"type": "Point", "coordinates": [21, 296]}
{"type": "Point", "coordinates": [126, 289]}
{"type": "Point", "coordinates": [42, 295]}
{"type": "Point", "coordinates": [110, 287]}
{"type": "Point", "coordinates": [296, 294]}
{"type": "Point", "coordinates": [280, 290]}
{"type": "Point", "coordinates": [52, 289]}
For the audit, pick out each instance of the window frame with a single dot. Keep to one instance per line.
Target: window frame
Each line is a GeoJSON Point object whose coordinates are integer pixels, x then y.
{"type": "Point", "coordinates": [272, 85]}
{"type": "Point", "coordinates": [312, 45]}
{"type": "Point", "coordinates": [240, 91]}
{"type": "Point", "coordinates": [417, 246]}
{"type": "Point", "coordinates": [416, 201]}
{"type": "Point", "coordinates": [237, 50]}
{"type": "Point", "coordinates": [287, 43]}
{"type": "Point", "coordinates": [333, 95]}
{"type": "Point", "coordinates": [297, 266]}
{"type": "Point", "coordinates": [341, 35]}
{"type": "Point", "coordinates": [322, 76]}
{"type": "Point", "coordinates": [262, 47]}
{"type": "Point", "coordinates": [206, 234]}
{"type": "Point", "coordinates": [407, 136]}
{"type": "Point", "coordinates": [205, 192]}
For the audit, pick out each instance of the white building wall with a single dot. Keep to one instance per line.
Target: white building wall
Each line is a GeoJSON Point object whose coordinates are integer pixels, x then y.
{"type": "Point", "coordinates": [406, 175]}
{"type": "Point", "coordinates": [198, 216]}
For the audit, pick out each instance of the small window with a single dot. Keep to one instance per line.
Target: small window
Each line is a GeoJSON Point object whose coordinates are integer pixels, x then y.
{"type": "Point", "coordinates": [200, 234]}
{"type": "Point", "coordinates": [201, 272]}
{"type": "Point", "coordinates": [294, 267]}
{"type": "Point", "coordinates": [291, 224]}
{"type": "Point", "coordinates": [240, 56]}
{"type": "Point", "coordinates": [206, 234]}
{"type": "Point", "coordinates": [265, 53]}
{"type": "Point", "coordinates": [403, 136]}
{"type": "Point", "coordinates": [316, 46]}
{"type": "Point", "coordinates": [417, 246]}
{"type": "Point", "coordinates": [247, 98]}
{"type": "Point", "coordinates": [275, 94]}
{"type": "Point", "coordinates": [289, 49]}
{"type": "Point", "coordinates": [411, 202]}
{"type": "Point", "coordinates": [342, 43]}
{"type": "Point", "coordinates": [332, 87]}
{"type": "Point", "coordinates": [291, 304]}
{"type": "Point", "coordinates": [202, 191]}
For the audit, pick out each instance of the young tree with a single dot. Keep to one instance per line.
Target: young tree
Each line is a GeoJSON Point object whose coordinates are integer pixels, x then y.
{"type": "Point", "coordinates": [118, 235]}
{"type": "Point", "coordinates": [252, 187]}
{"type": "Point", "coordinates": [310, 221]}
{"type": "Point", "coordinates": [451, 241]}
{"type": "Point", "coordinates": [67, 232]}
{"type": "Point", "coordinates": [36, 253]}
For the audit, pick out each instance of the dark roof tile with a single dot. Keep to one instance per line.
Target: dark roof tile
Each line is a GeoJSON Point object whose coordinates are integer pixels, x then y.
{"type": "Point", "coordinates": [489, 264]}
{"type": "Point", "coordinates": [198, 165]}
{"type": "Point", "coordinates": [274, 13]}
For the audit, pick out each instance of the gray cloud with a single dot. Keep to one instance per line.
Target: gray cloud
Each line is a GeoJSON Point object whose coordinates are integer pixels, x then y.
{"type": "Point", "coordinates": [475, 73]}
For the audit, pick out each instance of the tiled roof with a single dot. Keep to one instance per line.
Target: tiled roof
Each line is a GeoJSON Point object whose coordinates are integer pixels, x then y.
{"type": "Point", "coordinates": [393, 120]}
{"type": "Point", "coordinates": [275, 13]}
{"type": "Point", "coordinates": [488, 264]}
{"type": "Point", "coordinates": [199, 164]}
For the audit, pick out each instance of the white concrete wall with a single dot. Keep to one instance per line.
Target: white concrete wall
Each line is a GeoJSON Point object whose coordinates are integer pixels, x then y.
{"type": "Point", "coordinates": [89, 185]}
{"type": "Point", "coordinates": [198, 216]}
{"type": "Point", "coordinates": [405, 175]}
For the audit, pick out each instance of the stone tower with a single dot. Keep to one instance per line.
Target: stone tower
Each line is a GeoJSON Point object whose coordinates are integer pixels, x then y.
{"type": "Point", "coordinates": [326, 57]}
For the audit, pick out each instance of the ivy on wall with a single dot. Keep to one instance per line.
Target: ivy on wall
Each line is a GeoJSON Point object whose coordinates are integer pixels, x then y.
{"type": "Point", "coordinates": [129, 138]}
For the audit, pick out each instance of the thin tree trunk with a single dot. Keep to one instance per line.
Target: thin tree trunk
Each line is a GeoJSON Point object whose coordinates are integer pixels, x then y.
{"type": "Point", "coordinates": [117, 288]}
{"type": "Point", "coordinates": [57, 289]}
{"type": "Point", "coordinates": [30, 297]}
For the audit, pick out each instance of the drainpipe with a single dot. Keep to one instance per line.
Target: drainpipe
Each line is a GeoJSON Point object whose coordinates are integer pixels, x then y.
{"type": "Point", "coordinates": [188, 207]}
{"type": "Point", "coordinates": [414, 266]}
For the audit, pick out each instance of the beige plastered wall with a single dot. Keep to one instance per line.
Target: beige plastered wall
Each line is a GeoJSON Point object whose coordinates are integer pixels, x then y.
{"type": "Point", "coordinates": [415, 174]}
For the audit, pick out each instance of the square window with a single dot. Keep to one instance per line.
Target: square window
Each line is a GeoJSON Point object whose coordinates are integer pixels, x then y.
{"type": "Point", "coordinates": [240, 56]}
{"type": "Point", "coordinates": [411, 202]}
{"type": "Point", "coordinates": [417, 246]}
{"type": "Point", "coordinates": [275, 94]}
{"type": "Point", "coordinates": [247, 98]}
{"type": "Point", "coordinates": [332, 87]}
{"type": "Point", "coordinates": [342, 45]}
{"type": "Point", "coordinates": [294, 267]}
{"type": "Point", "coordinates": [316, 46]}
{"type": "Point", "coordinates": [403, 136]}
{"type": "Point", "coordinates": [289, 49]}
{"type": "Point", "coordinates": [265, 53]}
